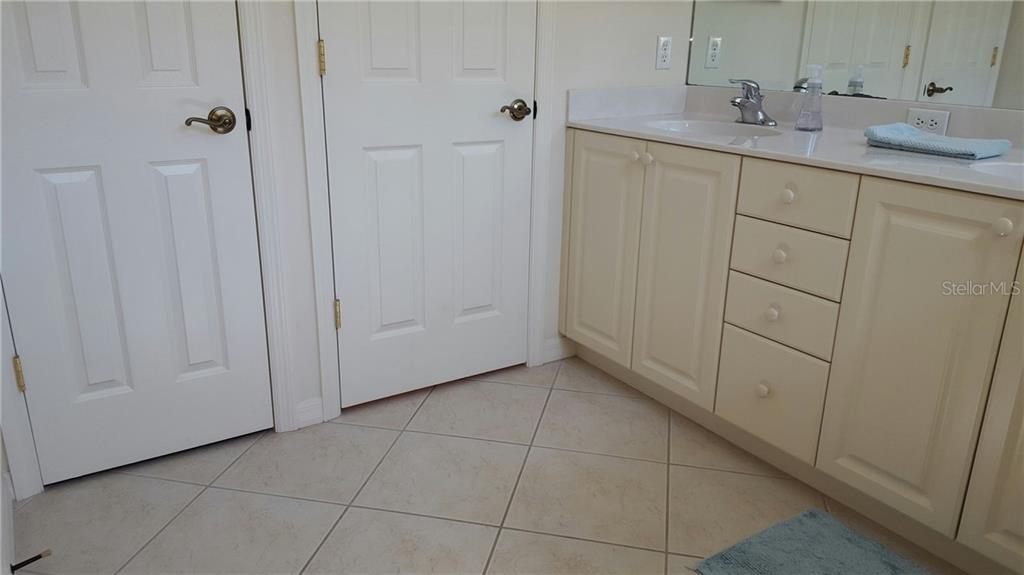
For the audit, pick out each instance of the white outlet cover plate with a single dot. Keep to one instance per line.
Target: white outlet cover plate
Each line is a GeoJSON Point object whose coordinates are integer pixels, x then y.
{"type": "Point", "coordinates": [714, 53]}
{"type": "Point", "coordinates": [663, 59]}
{"type": "Point", "coordinates": [931, 121]}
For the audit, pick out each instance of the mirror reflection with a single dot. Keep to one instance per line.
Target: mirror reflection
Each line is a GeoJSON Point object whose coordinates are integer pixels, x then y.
{"type": "Point", "coordinates": [950, 52]}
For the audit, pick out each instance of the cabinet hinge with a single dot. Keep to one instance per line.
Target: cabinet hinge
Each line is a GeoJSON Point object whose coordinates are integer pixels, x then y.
{"type": "Point", "coordinates": [248, 120]}
{"type": "Point", "coordinates": [906, 56]}
{"type": "Point", "coordinates": [337, 313]}
{"type": "Point", "coordinates": [19, 373]}
{"type": "Point", "coordinates": [995, 56]}
{"type": "Point", "coordinates": [322, 56]}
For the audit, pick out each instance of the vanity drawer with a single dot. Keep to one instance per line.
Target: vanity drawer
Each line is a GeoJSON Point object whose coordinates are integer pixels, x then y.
{"type": "Point", "coordinates": [800, 259]}
{"type": "Point", "coordinates": [794, 318]}
{"type": "Point", "coordinates": [810, 198]}
{"type": "Point", "coordinates": [772, 391]}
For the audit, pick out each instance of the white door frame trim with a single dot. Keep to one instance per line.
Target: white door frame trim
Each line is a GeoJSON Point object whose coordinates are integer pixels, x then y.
{"type": "Point", "coordinates": [540, 348]}
{"type": "Point", "coordinates": [290, 414]}
{"type": "Point", "coordinates": [311, 97]}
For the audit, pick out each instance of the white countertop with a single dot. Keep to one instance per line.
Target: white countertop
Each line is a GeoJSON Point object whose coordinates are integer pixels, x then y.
{"type": "Point", "coordinates": [835, 148]}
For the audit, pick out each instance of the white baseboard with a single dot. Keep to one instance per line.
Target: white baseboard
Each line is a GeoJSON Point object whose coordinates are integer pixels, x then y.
{"type": "Point", "coordinates": [309, 412]}
{"type": "Point", "coordinates": [7, 521]}
{"type": "Point", "coordinates": [556, 348]}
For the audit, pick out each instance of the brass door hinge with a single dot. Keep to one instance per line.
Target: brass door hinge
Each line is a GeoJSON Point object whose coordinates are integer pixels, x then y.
{"type": "Point", "coordinates": [337, 313]}
{"type": "Point", "coordinates": [322, 56]}
{"type": "Point", "coordinates": [19, 373]}
{"type": "Point", "coordinates": [995, 56]}
{"type": "Point", "coordinates": [906, 56]}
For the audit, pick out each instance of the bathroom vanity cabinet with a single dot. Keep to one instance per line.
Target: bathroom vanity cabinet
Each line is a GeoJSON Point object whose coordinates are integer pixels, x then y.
{"type": "Point", "coordinates": [851, 322]}
{"type": "Point", "coordinates": [648, 257]}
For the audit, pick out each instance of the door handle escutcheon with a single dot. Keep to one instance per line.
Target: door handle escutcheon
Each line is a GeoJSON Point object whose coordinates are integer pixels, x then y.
{"type": "Point", "coordinates": [517, 110]}
{"type": "Point", "coordinates": [220, 119]}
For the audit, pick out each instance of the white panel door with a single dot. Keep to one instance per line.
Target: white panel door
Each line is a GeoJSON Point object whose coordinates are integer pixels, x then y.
{"type": "Point", "coordinates": [914, 354]}
{"type": "Point", "coordinates": [129, 240]}
{"type": "Point", "coordinates": [887, 38]}
{"type": "Point", "coordinates": [965, 47]}
{"type": "Point", "coordinates": [430, 188]}
{"type": "Point", "coordinates": [689, 204]}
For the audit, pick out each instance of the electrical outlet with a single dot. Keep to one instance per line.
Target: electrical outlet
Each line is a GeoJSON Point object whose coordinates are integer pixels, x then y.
{"type": "Point", "coordinates": [933, 121]}
{"type": "Point", "coordinates": [664, 56]}
{"type": "Point", "coordinates": [714, 53]}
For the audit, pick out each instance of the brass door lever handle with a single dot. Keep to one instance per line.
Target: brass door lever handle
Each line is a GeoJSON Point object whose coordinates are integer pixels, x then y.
{"type": "Point", "coordinates": [931, 89]}
{"type": "Point", "coordinates": [517, 110]}
{"type": "Point", "coordinates": [220, 119]}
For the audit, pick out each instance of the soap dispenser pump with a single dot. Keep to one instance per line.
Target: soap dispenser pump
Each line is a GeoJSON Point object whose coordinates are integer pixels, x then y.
{"type": "Point", "coordinates": [809, 119]}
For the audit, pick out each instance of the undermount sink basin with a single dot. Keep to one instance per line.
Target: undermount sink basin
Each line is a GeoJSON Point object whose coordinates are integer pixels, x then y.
{"type": "Point", "coordinates": [710, 128]}
{"type": "Point", "coordinates": [1012, 170]}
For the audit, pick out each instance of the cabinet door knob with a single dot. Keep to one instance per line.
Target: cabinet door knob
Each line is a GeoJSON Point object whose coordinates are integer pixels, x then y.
{"type": "Point", "coordinates": [636, 155]}
{"type": "Point", "coordinates": [772, 313]}
{"type": "Point", "coordinates": [1003, 227]}
{"type": "Point", "coordinates": [788, 196]}
{"type": "Point", "coordinates": [762, 390]}
{"type": "Point", "coordinates": [648, 159]}
{"type": "Point", "coordinates": [779, 255]}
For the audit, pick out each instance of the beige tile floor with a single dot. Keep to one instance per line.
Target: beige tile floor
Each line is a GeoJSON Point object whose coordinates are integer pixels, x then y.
{"type": "Point", "coordinates": [555, 469]}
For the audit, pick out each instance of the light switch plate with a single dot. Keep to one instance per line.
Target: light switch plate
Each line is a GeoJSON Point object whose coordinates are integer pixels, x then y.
{"type": "Point", "coordinates": [932, 121]}
{"type": "Point", "coordinates": [714, 53]}
{"type": "Point", "coordinates": [664, 56]}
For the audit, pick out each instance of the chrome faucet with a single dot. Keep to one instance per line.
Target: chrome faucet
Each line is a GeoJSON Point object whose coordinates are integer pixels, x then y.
{"type": "Point", "coordinates": [750, 103]}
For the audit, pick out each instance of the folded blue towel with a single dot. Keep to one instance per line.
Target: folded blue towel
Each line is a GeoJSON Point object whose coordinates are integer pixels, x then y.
{"type": "Point", "coordinates": [900, 136]}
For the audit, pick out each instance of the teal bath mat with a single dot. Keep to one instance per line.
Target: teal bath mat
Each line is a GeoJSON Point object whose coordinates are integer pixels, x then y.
{"type": "Point", "coordinates": [812, 543]}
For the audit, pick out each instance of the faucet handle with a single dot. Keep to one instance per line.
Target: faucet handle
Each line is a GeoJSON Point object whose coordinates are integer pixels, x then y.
{"type": "Point", "coordinates": [750, 88]}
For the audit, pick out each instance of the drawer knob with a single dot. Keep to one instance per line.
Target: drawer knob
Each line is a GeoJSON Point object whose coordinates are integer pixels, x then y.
{"type": "Point", "coordinates": [779, 255]}
{"type": "Point", "coordinates": [1003, 227]}
{"type": "Point", "coordinates": [648, 159]}
{"type": "Point", "coordinates": [636, 156]}
{"type": "Point", "coordinates": [788, 196]}
{"type": "Point", "coordinates": [763, 390]}
{"type": "Point", "coordinates": [772, 313]}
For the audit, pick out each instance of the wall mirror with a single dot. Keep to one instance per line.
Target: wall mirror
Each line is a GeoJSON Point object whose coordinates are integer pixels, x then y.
{"type": "Point", "coordinates": [945, 51]}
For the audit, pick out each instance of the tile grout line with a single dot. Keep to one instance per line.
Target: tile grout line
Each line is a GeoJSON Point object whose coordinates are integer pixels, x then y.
{"type": "Point", "coordinates": [515, 486]}
{"type": "Point", "coordinates": [637, 395]}
{"type": "Point", "coordinates": [506, 442]}
{"type": "Point", "coordinates": [365, 482]}
{"type": "Point", "coordinates": [585, 540]}
{"type": "Point", "coordinates": [187, 505]}
{"type": "Point", "coordinates": [472, 438]}
{"type": "Point", "coordinates": [748, 473]}
{"type": "Point", "coordinates": [668, 483]}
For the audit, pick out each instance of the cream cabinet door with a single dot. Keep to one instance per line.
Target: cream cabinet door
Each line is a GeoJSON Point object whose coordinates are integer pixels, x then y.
{"type": "Point", "coordinates": [993, 519]}
{"type": "Point", "coordinates": [913, 360]}
{"type": "Point", "coordinates": [604, 233]}
{"type": "Point", "coordinates": [688, 205]}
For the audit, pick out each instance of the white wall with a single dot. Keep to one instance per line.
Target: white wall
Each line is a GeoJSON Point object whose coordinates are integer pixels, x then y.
{"type": "Point", "coordinates": [760, 40]}
{"type": "Point", "coordinates": [1010, 87]}
{"type": "Point", "coordinates": [594, 45]}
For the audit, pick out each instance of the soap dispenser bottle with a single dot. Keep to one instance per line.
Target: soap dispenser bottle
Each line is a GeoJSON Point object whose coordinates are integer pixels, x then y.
{"type": "Point", "coordinates": [856, 84]}
{"type": "Point", "coordinates": [809, 119]}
